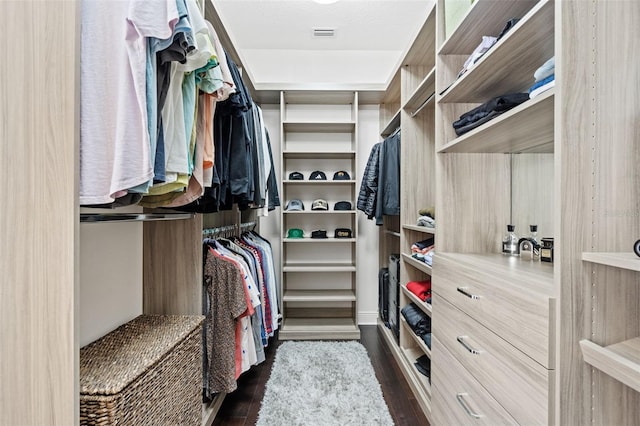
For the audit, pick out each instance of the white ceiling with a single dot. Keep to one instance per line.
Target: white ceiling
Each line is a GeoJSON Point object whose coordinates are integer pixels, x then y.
{"type": "Point", "coordinates": [274, 40]}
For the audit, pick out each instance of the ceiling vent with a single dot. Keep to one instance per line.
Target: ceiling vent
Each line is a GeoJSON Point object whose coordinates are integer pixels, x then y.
{"type": "Point", "coordinates": [324, 32]}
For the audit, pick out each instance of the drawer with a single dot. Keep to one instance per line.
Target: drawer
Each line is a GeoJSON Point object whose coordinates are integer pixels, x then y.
{"type": "Point", "coordinates": [498, 294]}
{"type": "Point", "coordinates": [518, 383]}
{"type": "Point", "coordinates": [458, 399]}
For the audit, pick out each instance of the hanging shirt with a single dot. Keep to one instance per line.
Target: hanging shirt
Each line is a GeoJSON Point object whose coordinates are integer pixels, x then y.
{"type": "Point", "coordinates": [114, 138]}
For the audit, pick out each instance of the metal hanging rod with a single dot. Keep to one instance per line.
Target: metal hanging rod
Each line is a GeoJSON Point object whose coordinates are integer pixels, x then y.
{"type": "Point", "coordinates": [132, 217]}
{"type": "Point", "coordinates": [227, 230]}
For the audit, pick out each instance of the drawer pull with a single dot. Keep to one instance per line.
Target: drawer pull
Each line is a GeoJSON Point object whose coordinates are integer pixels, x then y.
{"type": "Point", "coordinates": [464, 291]}
{"type": "Point", "coordinates": [460, 398]}
{"type": "Point", "coordinates": [467, 347]}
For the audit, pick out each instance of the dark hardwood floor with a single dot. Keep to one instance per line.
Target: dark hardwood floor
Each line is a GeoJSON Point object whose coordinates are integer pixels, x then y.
{"type": "Point", "coordinates": [241, 407]}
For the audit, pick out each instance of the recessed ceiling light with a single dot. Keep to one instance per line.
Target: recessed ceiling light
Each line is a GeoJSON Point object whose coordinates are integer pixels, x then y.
{"type": "Point", "coordinates": [325, 1]}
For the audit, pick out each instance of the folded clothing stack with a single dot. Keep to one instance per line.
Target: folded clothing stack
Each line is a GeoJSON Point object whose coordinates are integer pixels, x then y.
{"type": "Point", "coordinates": [422, 289]}
{"type": "Point", "coordinates": [545, 78]}
{"type": "Point", "coordinates": [423, 365]}
{"type": "Point", "coordinates": [488, 111]}
{"type": "Point", "coordinates": [424, 250]}
{"type": "Point", "coordinates": [419, 322]}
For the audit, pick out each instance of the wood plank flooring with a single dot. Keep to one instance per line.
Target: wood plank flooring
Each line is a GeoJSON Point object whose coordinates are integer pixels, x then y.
{"type": "Point", "coordinates": [241, 407]}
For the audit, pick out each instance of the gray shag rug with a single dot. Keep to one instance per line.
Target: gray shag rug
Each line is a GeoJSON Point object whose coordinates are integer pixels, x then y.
{"type": "Point", "coordinates": [323, 384]}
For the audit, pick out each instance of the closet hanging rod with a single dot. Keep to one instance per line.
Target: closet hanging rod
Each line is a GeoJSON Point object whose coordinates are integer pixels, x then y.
{"type": "Point", "coordinates": [422, 105]}
{"type": "Point", "coordinates": [132, 217]}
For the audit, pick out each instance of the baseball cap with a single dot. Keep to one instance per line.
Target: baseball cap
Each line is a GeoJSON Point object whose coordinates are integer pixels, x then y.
{"type": "Point", "coordinates": [341, 175]}
{"type": "Point", "coordinates": [294, 206]}
{"type": "Point", "coordinates": [296, 176]}
{"type": "Point", "coordinates": [342, 233]}
{"type": "Point", "coordinates": [295, 233]}
{"type": "Point", "coordinates": [320, 204]}
{"type": "Point", "coordinates": [342, 205]}
{"type": "Point", "coordinates": [320, 233]}
{"type": "Point", "coordinates": [317, 175]}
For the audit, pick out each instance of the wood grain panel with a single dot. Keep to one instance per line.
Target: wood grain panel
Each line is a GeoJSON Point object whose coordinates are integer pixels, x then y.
{"type": "Point", "coordinates": [532, 193]}
{"type": "Point", "coordinates": [510, 297]}
{"type": "Point", "coordinates": [598, 130]}
{"type": "Point", "coordinates": [475, 193]}
{"type": "Point", "coordinates": [172, 277]}
{"type": "Point", "coordinates": [39, 225]}
{"type": "Point", "coordinates": [516, 381]}
{"type": "Point", "coordinates": [453, 382]}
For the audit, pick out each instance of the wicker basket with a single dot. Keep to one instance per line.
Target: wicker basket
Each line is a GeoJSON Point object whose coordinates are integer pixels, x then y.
{"type": "Point", "coordinates": [146, 372]}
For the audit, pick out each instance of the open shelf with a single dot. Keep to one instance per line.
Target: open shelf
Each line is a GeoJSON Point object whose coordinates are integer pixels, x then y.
{"type": "Point", "coordinates": [319, 126]}
{"type": "Point", "coordinates": [405, 359]}
{"type": "Point", "coordinates": [510, 64]}
{"type": "Point", "coordinates": [320, 212]}
{"type": "Point", "coordinates": [526, 128]}
{"type": "Point", "coordinates": [423, 96]}
{"type": "Point", "coordinates": [423, 346]}
{"type": "Point", "coordinates": [318, 267]}
{"type": "Point", "coordinates": [319, 182]}
{"type": "Point", "coordinates": [424, 229]}
{"type": "Point", "coordinates": [319, 296]}
{"type": "Point", "coordinates": [425, 307]}
{"type": "Point", "coordinates": [618, 260]}
{"type": "Point", "coordinates": [411, 354]}
{"type": "Point", "coordinates": [392, 125]}
{"type": "Point", "coordinates": [620, 361]}
{"type": "Point", "coordinates": [319, 240]}
{"type": "Point", "coordinates": [319, 154]}
{"type": "Point", "coordinates": [319, 328]}
{"type": "Point", "coordinates": [485, 17]}
{"type": "Point", "coordinates": [392, 233]}
{"type": "Point", "coordinates": [417, 264]}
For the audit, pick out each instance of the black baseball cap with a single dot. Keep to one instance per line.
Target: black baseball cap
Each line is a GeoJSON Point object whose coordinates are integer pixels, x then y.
{"type": "Point", "coordinates": [317, 175]}
{"type": "Point", "coordinates": [342, 205]}
{"type": "Point", "coordinates": [320, 233]}
{"type": "Point", "coordinates": [296, 176]}
{"type": "Point", "coordinates": [343, 233]}
{"type": "Point", "coordinates": [341, 175]}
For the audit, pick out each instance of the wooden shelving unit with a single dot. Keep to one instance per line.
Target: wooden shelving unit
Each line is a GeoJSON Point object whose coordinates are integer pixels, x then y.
{"type": "Point", "coordinates": [314, 307]}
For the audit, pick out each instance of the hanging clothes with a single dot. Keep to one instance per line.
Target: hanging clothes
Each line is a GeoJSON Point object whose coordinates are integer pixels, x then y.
{"type": "Point", "coordinates": [169, 123]}
{"type": "Point", "coordinates": [236, 331]}
{"type": "Point", "coordinates": [379, 193]}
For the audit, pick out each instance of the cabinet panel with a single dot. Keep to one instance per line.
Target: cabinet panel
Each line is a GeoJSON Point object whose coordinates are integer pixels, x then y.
{"type": "Point", "coordinates": [458, 399]}
{"type": "Point", "coordinates": [503, 298]}
{"type": "Point", "coordinates": [516, 381]}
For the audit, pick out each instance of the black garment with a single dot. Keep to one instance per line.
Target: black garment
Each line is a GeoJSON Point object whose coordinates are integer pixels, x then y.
{"type": "Point", "coordinates": [368, 194]}
{"type": "Point", "coordinates": [419, 322]}
{"type": "Point", "coordinates": [423, 365]}
{"type": "Point", "coordinates": [388, 197]}
{"type": "Point", "coordinates": [424, 243]}
{"type": "Point", "coordinates": [491, 108]}
{"type": "Point", "coordinates": [272, 184]}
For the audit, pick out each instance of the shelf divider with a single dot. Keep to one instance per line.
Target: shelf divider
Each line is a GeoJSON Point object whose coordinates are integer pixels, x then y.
{"type": "Point", "coordinates": [620, 361]}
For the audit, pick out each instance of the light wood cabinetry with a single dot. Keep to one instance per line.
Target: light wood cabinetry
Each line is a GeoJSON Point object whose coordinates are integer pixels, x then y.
{"type": "Point", "coordinates": [409, 106]}
{"type": "Point", "coordinates": [495, 314]}
{"type": "Point", "coordinates": [319, 133]}
{"type": "Point", "coordinates": [566, 161]}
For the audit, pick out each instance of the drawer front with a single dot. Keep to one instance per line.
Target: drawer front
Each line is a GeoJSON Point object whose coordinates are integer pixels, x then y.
{"type": "Point", "coordinates": [517, 382]}
{"type": "Point", "coordinates": [521, 317]}
{"type": "Point", "coordinates": [458, 399]}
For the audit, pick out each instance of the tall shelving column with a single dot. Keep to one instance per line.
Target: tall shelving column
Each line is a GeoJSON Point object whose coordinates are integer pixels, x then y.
{"type": "Point", "coordinates": [319, 133]}
{"type": "Point", "coordinates": [494, 316]}
{"type": "Point", "coordinates": [598, 274]}
{"type": "Point", "coordinates": [413, 87]}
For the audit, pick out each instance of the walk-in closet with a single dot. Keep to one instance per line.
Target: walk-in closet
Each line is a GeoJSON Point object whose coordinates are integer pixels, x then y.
{"type": "Point", "coordinates": [391, 212]}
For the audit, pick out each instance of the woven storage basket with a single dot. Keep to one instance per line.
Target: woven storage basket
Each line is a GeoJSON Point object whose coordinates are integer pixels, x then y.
{"type": "Point", "coordinates": [146, 372]}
